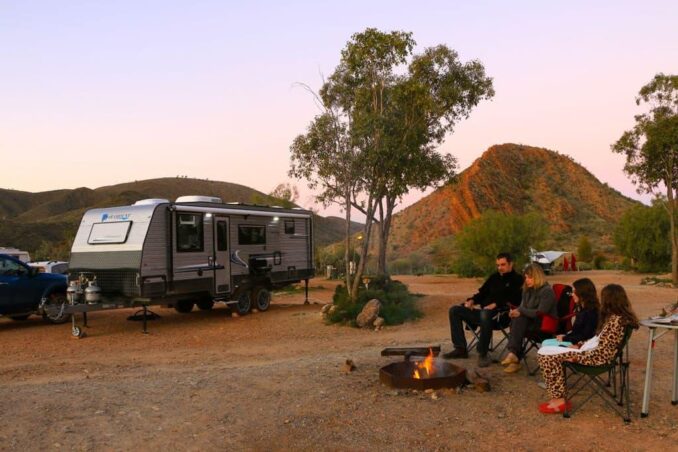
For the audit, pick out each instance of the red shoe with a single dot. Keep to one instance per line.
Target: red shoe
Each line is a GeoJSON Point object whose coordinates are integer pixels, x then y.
{"type": "Point", "coordinates": [547, 409]}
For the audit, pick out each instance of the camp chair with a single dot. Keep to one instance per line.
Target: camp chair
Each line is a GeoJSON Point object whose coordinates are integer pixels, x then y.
{"type": "Point", "coordinates": [614, 392]}
{"type": "Point", "coordinates": [549, 325]}
{"type": "Point", "coordinates": [500, 323]}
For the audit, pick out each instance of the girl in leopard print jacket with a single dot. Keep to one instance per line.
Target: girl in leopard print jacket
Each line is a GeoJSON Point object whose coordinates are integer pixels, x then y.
{"type": "Point", "coordinates": [615, 315]}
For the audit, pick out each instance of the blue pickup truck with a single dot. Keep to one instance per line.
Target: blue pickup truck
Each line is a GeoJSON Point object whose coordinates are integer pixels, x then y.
{"type": "Point", "coordinates": [25, 291]}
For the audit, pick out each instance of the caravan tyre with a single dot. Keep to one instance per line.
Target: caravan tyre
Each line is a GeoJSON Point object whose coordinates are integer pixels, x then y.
{"type": "Point", "coordinates": [184, 306]}
{"type": "Point", "coordinates": [244, 302]}
{"type": "Point", "coordinates": [262, 299]}
{"type": "Point", "coordinates": [53, 311]}
{"type": "Point", "coordinates": [205, 304]}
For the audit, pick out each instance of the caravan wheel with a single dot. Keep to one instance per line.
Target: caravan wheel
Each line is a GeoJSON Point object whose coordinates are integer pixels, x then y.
{"type": "Point", "coordinates": [244, 302]}
{"type": "Point", "coordinates": [184, 306]}
{"type": "Point", "coordinates": [262, 299]}
{"type": "Point", "coordinates": [205, 304]}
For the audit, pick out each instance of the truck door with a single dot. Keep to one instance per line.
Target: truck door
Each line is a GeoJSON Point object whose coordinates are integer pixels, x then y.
{"type": "Point", "coordinates": [17, 294]}
{"type": "Point", "coordinates": [222, 257]}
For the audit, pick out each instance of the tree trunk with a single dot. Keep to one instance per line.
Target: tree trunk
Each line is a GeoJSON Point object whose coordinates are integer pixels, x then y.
{"type": "Point", "coordinates": [347, 239]}
{"type": "Point", "coordinates": [674, 236]}
{"type": "Point", "coordinates": [384, 231]}
{"type": "Point", "coordinates": [360, 268]}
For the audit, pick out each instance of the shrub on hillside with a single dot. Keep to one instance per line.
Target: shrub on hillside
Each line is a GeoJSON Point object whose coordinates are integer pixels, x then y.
{"type": "Point", "coordinates": [494, 232]}
{"type": "Point", "coordinates": [397, 303]}
{"type": "Point", "coordinates": [643, 237]}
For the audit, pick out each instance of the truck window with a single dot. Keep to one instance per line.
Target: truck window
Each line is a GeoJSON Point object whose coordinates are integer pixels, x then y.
{"type": "Point", "coordinates": [109, 232]}
{"type": "Point", "coordinates": [189, 233]}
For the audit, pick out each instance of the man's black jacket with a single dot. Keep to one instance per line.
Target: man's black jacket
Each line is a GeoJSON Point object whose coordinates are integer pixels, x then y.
{"type": "Point", "coordinates": [500, 289]}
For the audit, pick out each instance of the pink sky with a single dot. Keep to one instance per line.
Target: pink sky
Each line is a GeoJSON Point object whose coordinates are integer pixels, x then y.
{"type": "Point", "coordinates": [94, 94]}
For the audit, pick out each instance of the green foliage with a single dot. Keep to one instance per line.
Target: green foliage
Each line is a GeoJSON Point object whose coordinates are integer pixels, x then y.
{"type": "Point", "coordinates": [651, 150]}
{"type": "Point", "coordinates": [397, 304]}
{"type": "Point", "coordinates": [494, 232]}
{"type": "Point", "coordinates": [584, 250]}
{"type": "Point", "coordinates": [599, 261]}
{"type": "Point", "coordinates": [385, 111]}
{"type": "Point", "coordinates": [642, 235]}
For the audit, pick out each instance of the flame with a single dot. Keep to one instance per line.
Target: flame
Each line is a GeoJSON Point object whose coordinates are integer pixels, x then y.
{"type": "Point", "coordinates": [426, 367]}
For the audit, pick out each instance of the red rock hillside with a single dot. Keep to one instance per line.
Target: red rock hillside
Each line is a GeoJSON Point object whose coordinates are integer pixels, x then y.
{"type": "Point", "coordinates": [516, 179]}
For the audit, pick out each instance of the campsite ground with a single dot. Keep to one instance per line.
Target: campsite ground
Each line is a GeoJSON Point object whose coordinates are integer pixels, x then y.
{"type": "Point", "coordinates": [274, 381]}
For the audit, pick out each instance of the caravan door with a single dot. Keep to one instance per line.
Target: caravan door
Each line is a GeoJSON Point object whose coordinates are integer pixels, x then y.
{"type": "Point", "coordinates": [222, 257]}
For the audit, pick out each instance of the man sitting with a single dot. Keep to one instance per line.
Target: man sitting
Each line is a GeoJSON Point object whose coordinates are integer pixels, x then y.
{"type": "Point", "coordinates": [501, 289]}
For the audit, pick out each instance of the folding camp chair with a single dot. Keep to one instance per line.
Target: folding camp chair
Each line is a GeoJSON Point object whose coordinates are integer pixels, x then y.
{"type": "Point", "coordinates": [549, 325]}
{"type": "Point", "coordinates": [614, 392]}
{"type": "Point", "coordinates": [500, 322]}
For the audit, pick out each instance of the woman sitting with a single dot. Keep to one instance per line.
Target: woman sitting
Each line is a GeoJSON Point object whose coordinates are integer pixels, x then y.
{"type": "Point", "coordinates": [616, 315]}
{"type": "Point", "coordinates": [538, 296]}
{"type": "Point", "coordinates": [586, 311]}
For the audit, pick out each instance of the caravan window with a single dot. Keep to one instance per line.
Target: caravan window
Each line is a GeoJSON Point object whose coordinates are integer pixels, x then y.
{"type": "Point", "coordinates": [110, 232]}
{"type": "Point", "coordinates": [251, 235]}
{"type": "Point", "coordinates": [289, 226]}
{"type": "Point", "coordinates": [189, 233]}
{"type": "Point", "coordinates": [222, 236]}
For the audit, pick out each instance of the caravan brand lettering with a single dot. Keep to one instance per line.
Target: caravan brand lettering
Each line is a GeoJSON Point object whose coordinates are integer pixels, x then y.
{"type": "Point", "coordinates": [116, 217]}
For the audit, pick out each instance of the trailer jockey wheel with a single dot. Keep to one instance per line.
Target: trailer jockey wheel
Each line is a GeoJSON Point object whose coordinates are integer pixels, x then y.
{"type": "Point", "coordinates": [77, 332]}
{"type": "Point", "coordinates": [262, 299]}
{"type": "Point", "coordinates": [244, 302]}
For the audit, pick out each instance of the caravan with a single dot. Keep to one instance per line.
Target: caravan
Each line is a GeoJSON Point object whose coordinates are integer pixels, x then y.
{"type": "Point", "coordinates": [194, 251]}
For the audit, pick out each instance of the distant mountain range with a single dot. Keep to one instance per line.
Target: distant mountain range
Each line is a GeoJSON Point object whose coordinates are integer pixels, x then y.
{"type": "Point", "coordinates": [46, 222]}
{"type": "Point", "coordinates": [508, 178]}
{"type": "Point", "coordinates": [515, 179]}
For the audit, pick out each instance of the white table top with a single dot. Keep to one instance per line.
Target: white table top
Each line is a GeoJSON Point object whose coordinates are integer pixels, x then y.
{"type": "Point", "coordinates": [650, 323]}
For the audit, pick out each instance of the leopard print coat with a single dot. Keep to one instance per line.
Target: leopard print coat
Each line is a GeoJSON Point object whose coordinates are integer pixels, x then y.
{"type": "Point", "coordinates": [552, 365]}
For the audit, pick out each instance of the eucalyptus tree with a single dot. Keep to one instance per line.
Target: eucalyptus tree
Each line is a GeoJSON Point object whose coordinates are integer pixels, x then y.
{"type": "Point", "coordinates": [651, 150]}
{"type": "Point", "coordinates": [394, 108]}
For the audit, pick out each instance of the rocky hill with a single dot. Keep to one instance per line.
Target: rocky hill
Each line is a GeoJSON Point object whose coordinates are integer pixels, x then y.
{"type": "Point", "coordinates": [515, 179]}
{"type": "Point", "coordinates": [45, 223]}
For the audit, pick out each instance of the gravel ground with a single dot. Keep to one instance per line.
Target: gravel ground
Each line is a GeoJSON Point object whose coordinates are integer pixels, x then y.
{"type": "Point", "coordinates": [275, 381]}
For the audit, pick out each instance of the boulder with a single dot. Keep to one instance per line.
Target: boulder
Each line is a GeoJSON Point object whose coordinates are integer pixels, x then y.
{"type": "Point", "coordinates": [369, 314]}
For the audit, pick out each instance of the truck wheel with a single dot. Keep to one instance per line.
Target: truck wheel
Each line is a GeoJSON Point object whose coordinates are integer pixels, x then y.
{"type": "Point", "coordinates": [53, 311]}
{"type": "Point", "coordinates": [19, 318]}
{"type": "Point", "coordinates": [244, 302]}
{"type": "Point", "coordinates": [205, 304]}
{"type": "Point", "coordinates": [262, 299]}
{"type": "Point", "coordinates": [184, 306]}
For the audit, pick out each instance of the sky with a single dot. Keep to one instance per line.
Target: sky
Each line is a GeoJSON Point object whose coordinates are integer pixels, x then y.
{"type": "Point", "coordinates": [95, 93]}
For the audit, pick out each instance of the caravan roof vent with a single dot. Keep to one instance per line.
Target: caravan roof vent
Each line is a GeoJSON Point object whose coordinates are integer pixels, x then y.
{"type": "Point", "coordinates": [150, 202]}
{"type": "Point", "coordinates": [212, 199]}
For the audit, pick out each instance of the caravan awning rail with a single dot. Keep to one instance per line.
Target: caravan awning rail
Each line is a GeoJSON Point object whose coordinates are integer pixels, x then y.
{"type": "Point", "coordinates": [261, 213]}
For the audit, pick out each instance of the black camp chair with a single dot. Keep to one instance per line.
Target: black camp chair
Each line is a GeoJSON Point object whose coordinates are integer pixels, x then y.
{"type": "Point", "coordinates": [500, 322]}
{"type": "Point", "coordinates": [550, 326]}
{"type": "Point", "coordinates": [614, 392]}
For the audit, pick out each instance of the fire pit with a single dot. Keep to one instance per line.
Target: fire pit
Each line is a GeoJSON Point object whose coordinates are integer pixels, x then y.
{"type": "Point", "coordinates": [421, 374]}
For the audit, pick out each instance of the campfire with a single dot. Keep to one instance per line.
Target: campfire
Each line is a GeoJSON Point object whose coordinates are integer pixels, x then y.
{"type": "Point", "coordinates": [427, 373]}
{"type": "Point", "coordinates": [425, 368]}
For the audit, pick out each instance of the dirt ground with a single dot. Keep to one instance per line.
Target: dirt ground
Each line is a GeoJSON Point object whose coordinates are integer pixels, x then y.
{"type": "Point", "coordinates": [274, 381]}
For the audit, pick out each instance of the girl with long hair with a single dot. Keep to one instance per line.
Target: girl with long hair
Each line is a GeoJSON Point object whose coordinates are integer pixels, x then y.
{"type": "Point", "coordinates": [616, 315]}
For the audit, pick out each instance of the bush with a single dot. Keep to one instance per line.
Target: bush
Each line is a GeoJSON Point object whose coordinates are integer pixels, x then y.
{"type": "Point", "coordinates": [494, 232]}
{"type": "Point", "coordinates": [599, 261]}
{"type": "Point", "coordinates": [643, 236]}
{"type": "Point", "coordinates": [397, 303]}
